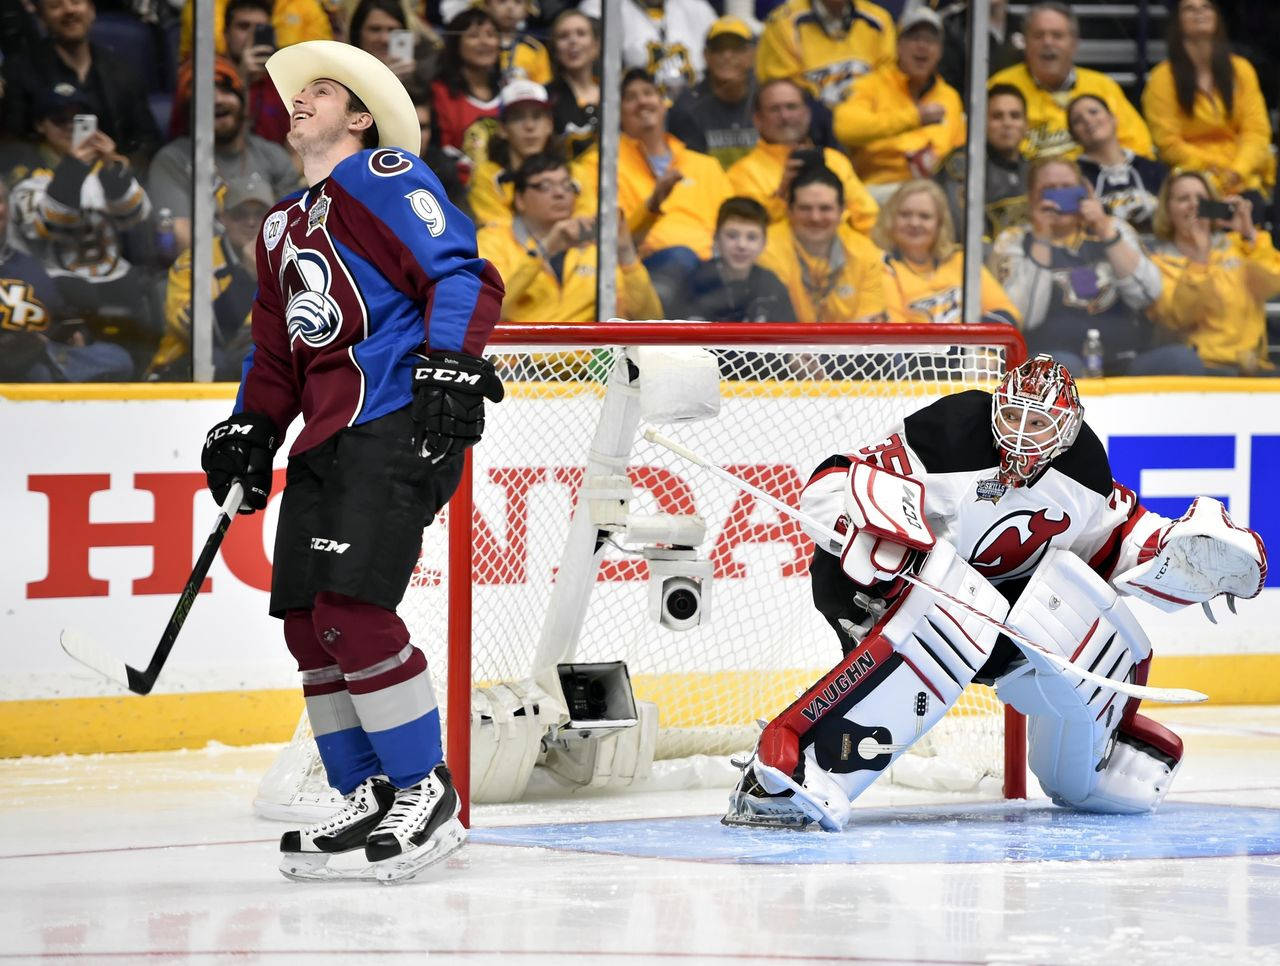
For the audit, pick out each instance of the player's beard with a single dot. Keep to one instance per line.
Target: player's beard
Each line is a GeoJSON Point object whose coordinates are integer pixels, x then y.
{"type": "Point", "coordinates": [317, 143]}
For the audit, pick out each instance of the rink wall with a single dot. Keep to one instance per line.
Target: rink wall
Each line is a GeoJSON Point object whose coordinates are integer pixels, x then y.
{"type": "Point", "coordinates": [105, 509]}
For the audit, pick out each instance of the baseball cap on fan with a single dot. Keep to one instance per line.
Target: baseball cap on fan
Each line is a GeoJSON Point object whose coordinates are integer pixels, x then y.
{"type": "Point", "coordinates": [246, 189]}
{"type": "Point", "coordinates": [520, 92]}
{"type": "Point", "coordinates": [60, 102]}
{"type": "Point", "coordinates": [919, 17]}
{"type": "Point", "coordinates": [731, 29]}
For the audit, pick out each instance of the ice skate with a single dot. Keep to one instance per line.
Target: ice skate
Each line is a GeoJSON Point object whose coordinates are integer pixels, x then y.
{"type": "Point", "coordinates": [421, 829]}
{"type": "Point", "coordinates": [753, 807]}
{"type": "Point", "coordinates": [306, 852]}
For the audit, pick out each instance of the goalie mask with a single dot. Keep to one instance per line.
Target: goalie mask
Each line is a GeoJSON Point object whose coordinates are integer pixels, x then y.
{"type": "Point", "coordinates": [1036, 415]}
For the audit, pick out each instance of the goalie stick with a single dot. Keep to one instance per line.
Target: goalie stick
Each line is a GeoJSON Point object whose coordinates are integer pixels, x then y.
{"type": "Point", "coordinates": [88, 652]}
{"type": "Point", "coordinates": [1165, 695]}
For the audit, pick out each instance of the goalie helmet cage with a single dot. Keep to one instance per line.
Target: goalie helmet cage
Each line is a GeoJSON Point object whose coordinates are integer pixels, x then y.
{"type": "Point", "coordinates": [791, 394]}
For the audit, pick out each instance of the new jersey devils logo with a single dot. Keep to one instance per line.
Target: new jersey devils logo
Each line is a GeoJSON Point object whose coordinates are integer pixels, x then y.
{"type": "Point", "coordinates": [310, 311]}
{"type": "Point", "coordinates": [1015, 544]}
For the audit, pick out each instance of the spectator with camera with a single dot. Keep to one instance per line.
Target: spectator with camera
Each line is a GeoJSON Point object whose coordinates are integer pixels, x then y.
{"type": "Point", "coordinates": [383, 28]}
{"type": "Point", "coordinates": [731, 286]}
{"type": "Point", "coordinates": [1218, 273]}
{"type": "Point", "coordinates": [714, 116]}
{"type": "Point", "coordinates": [242, 206]}
{"type": "Point", "coordinates": [574, 90]}
{"type": "Point", "coordinates": [902, 118]}
{"type": "Point", "coordinates": [670, 194]}
{"type": "Point", "coordinates": [236, 151]}
{"type": "Point", "coordinates": [547, 255]}
{"type": "Point", "coordinates": [832, 272]}
{"type": "Point", "coordinates": [923, 265]}
{"type": "Point", "coordinates": [1073, 268]}
{"type": "Point", "coordinates": [1006, 168]}
{"type": "Point", "coordinates": [250, 40]}
{"type": "Point", "coordinates": [1124, 182]}
{"type": "Point", "coordinates": [72, 211]}
{"type": "Point", "coordinates": [782, 117]}
{"type": "Point", "coordinates": [108, 86]}
{"type": "Point", "coordinates": [39, 342]}
{"type": "Point", "coordinates": [1206, 109]}
{"type": "Point", "coordinates": [1049, 80]}
{"type": "Point", "coordinates": [293, 21]}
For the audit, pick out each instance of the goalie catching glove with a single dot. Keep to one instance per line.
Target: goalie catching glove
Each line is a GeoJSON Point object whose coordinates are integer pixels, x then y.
{"type": "Point", "coordinates": [886, 532]}
{"type": "Point", "coordinates": [449, 390]}
{"type": "Point", "coordinates": [241, 448]}
{"type": "Point", "coordinates": [1197, 557]}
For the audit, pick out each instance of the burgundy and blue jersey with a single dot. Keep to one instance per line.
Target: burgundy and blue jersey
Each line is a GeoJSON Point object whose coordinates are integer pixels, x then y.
{"type": "Point", "coordinates": [357, 277]}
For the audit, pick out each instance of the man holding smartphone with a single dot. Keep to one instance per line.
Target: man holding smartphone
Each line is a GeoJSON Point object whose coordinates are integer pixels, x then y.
{"type": "Point", "coordinates": [251, 39]}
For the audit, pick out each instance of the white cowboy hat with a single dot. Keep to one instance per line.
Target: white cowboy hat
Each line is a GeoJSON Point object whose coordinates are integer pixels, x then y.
{"type": "Point", "coordinates": [293, 68]}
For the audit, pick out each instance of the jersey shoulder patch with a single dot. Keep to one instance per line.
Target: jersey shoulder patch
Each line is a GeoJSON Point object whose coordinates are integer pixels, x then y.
{"type": "Point", "coordinates": [1086, 462]}
{"type": "Point", "coordinates": [953, 435]}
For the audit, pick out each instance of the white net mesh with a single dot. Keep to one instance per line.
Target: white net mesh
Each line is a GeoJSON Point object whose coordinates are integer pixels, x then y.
{"type": "Point", "coordinates": [761, 640]}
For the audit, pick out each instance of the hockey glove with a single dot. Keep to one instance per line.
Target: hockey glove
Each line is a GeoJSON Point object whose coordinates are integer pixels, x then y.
{"type": "Point", "coordinates": [241, 448]}
{"type": "Point", "coordinates": [449, 391]}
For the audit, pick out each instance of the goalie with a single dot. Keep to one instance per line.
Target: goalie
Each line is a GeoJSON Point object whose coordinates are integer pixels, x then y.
{"type": "Point", "coordinates": [1005, 502]}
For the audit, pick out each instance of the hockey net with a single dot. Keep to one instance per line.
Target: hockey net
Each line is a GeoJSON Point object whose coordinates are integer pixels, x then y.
{"type": "Point", "coordinates": [542, 591]}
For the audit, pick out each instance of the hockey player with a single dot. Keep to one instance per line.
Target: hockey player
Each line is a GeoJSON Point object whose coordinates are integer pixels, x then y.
{"type": "Point", "coordinates": [372, 311]}
{"type": "Point", "coordinates": [999, 500]}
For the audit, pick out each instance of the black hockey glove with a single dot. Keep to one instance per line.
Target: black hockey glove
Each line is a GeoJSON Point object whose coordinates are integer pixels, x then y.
{"type": "Point", "coordinates": [449, 391]}
{"type": "Point", "coordinates": [241, 448]}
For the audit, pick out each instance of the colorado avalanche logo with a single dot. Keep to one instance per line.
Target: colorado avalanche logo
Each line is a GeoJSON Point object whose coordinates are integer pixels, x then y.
{"type": "Point", "coordinates": [1015, 544]}
{"type": "Point", "coordinates": [388, 163]}
{"type": "Point", "coordinates": [311, 314]}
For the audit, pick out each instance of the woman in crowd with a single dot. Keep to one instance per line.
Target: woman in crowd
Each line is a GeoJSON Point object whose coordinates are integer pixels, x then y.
{"type": "Point", "coordinates": [1216, 278]}
{"type": "Point", "coordinates": [575, 85]}
{"type": "Point", "coordinates": [465, 94]}
{"type": "Point", "coordinates": [1205, 109]}
{"type": "Point", "coordinates": [1071, 268]}
{"type": "Point", "coordinates": [1125, 183]}
{"type": "Point", "coordinates": [372, 23]}
{"type": "Point", "coordinates": [923, 265]}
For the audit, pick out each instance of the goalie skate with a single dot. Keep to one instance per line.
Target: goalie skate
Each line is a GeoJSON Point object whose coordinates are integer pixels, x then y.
{"type": "Point", "coordinates": [306, 852]}
{"type": "Point", "coordinates": [753, 807]}
{"type": "Point", "coordinates": [421, 829]}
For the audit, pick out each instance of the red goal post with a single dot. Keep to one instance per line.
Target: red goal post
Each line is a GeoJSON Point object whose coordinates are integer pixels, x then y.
{"type": "Point", "coordinates": [839, 372]}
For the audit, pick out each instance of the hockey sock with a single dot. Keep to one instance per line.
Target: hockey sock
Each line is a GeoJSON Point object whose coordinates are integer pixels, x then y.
{"type": "Point", "coordinates": [388, 682]}
{"type": "Point", "coordinates": [344, 748]}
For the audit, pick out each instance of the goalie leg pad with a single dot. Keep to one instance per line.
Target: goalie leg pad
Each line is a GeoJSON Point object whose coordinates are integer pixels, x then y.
{"type": "Point", "coordinates": [1139, 770]}
{"type": "Point", "coordinates": [836, 739]}
{"type": "Point", "coordinates": [1068, 607]}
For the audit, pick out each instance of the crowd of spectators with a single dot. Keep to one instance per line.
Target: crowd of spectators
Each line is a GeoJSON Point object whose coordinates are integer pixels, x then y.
{"type": "Point", "coordinates": [809, 167]}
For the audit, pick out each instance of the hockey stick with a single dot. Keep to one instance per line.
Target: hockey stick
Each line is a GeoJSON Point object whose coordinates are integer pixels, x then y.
{"type": "Point", "coordinates": [88, 652]}
{"type": "Point", "coordinates": [1166, 695]}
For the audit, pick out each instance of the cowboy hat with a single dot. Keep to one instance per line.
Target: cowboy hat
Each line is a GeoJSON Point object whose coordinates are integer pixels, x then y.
{"type": "Point", "coordinates": [293, 68]}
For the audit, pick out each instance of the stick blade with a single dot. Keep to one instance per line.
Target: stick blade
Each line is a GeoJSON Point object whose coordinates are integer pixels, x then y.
{"type": "Point", "coordinates": [89, 653]}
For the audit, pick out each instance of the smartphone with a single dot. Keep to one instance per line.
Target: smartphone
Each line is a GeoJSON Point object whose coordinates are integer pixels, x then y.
{"type": "Point", "coordinates": [82, 127]}
{"type": "Point", "coordinates": [400, 45]}
{"type": "Point", "coordinates": [1218, 210]}
{"type": "Point", "coordinates": [1067, 199]}
{"type": "Point", "coordinates": [264, 35]}
{"type": "Point", "coordinates": [808, 157]}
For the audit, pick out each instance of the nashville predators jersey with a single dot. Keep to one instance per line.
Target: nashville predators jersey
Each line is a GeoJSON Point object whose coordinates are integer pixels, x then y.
{"type": "Point", "coordinates": [801, 42]}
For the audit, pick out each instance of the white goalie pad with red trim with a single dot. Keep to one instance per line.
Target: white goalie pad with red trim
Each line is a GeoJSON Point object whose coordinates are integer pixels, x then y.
{"type": "Point", "coordinates": [840, 736]}
{"type": "Point", "coordinates": [886, 519]}
{"type": "Point", "coordinates": [1196, 558]}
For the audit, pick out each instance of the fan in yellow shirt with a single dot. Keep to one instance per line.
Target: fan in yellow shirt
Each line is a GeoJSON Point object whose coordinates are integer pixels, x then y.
{"type": "Point", "coordinates": [832, 273]}
{"type": "Point", "coordinates": [1049, 80]}
{"type": "Point", "coordinates": [521, 55]}
{"type": "Point", "coordinates": [782, 118]}
{"type": "Point", "coordinates": [1225, 131]}
{"type": "Point", "coordinates": [825, 45]}
{"type": "Point", "coordinates": [923, 265]}
{"type": "Point", "coordinates": [1216, 283]}
{"type": "Point", "coordinates": [903, 119]}
{"type": "Point", "coordinates": [547, 256]}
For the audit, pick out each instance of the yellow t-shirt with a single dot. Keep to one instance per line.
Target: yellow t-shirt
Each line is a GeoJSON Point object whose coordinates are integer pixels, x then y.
{"type": "Point", "coordinates": [294, 21]}
{"type": "Point", "coordinates": [917, 293]}
{"type": "Point", "coordinates": [846, 288]}
{"type": "Point", "coordinates": [526, 57]}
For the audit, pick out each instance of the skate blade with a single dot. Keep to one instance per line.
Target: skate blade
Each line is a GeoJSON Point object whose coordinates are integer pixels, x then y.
{"type": "Point", "coordinates": [739, 820]}
{"type": "Point", "coordinates": [319, 867]}
{"type": "Point", "coordinates": [405, 868]}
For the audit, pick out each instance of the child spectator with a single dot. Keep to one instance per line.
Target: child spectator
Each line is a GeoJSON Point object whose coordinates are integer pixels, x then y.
{"type": "Point", "coordinates": [923, 265]}
{"type": "Point", "coordinates": [465, 94]}
{"type": "Point", "coordinates": [903, 119]}
{"type": "Point", "coordinates": [575, 87]}
{"type": "Point", "coordinates": [522, 56]}
{"type": "Point", "coordinates": [832, 273]}
{"type": "Point", "coordinates": [1006, 168]}
{"type": "Point", "coordinates": [1123, 181]}
{"type": "Point", "coordinates": [782, 118]}
{"type": "Point", "coordinates": [1072, 268]}
{"type": "Point", "coordinates": [730, 286]}
{"type": "Point", "coordinates": [714, 117]}
{"type": "Point", "coordinates": [1206, 110]}
{"type": "Point", "coordinates": [1217, 278]}
{"type": "Point", "coordinates": [524, 129]}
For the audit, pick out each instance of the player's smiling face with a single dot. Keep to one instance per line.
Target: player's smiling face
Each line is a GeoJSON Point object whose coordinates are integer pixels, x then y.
{"type": "Point", "coordinates": [321, 115]}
